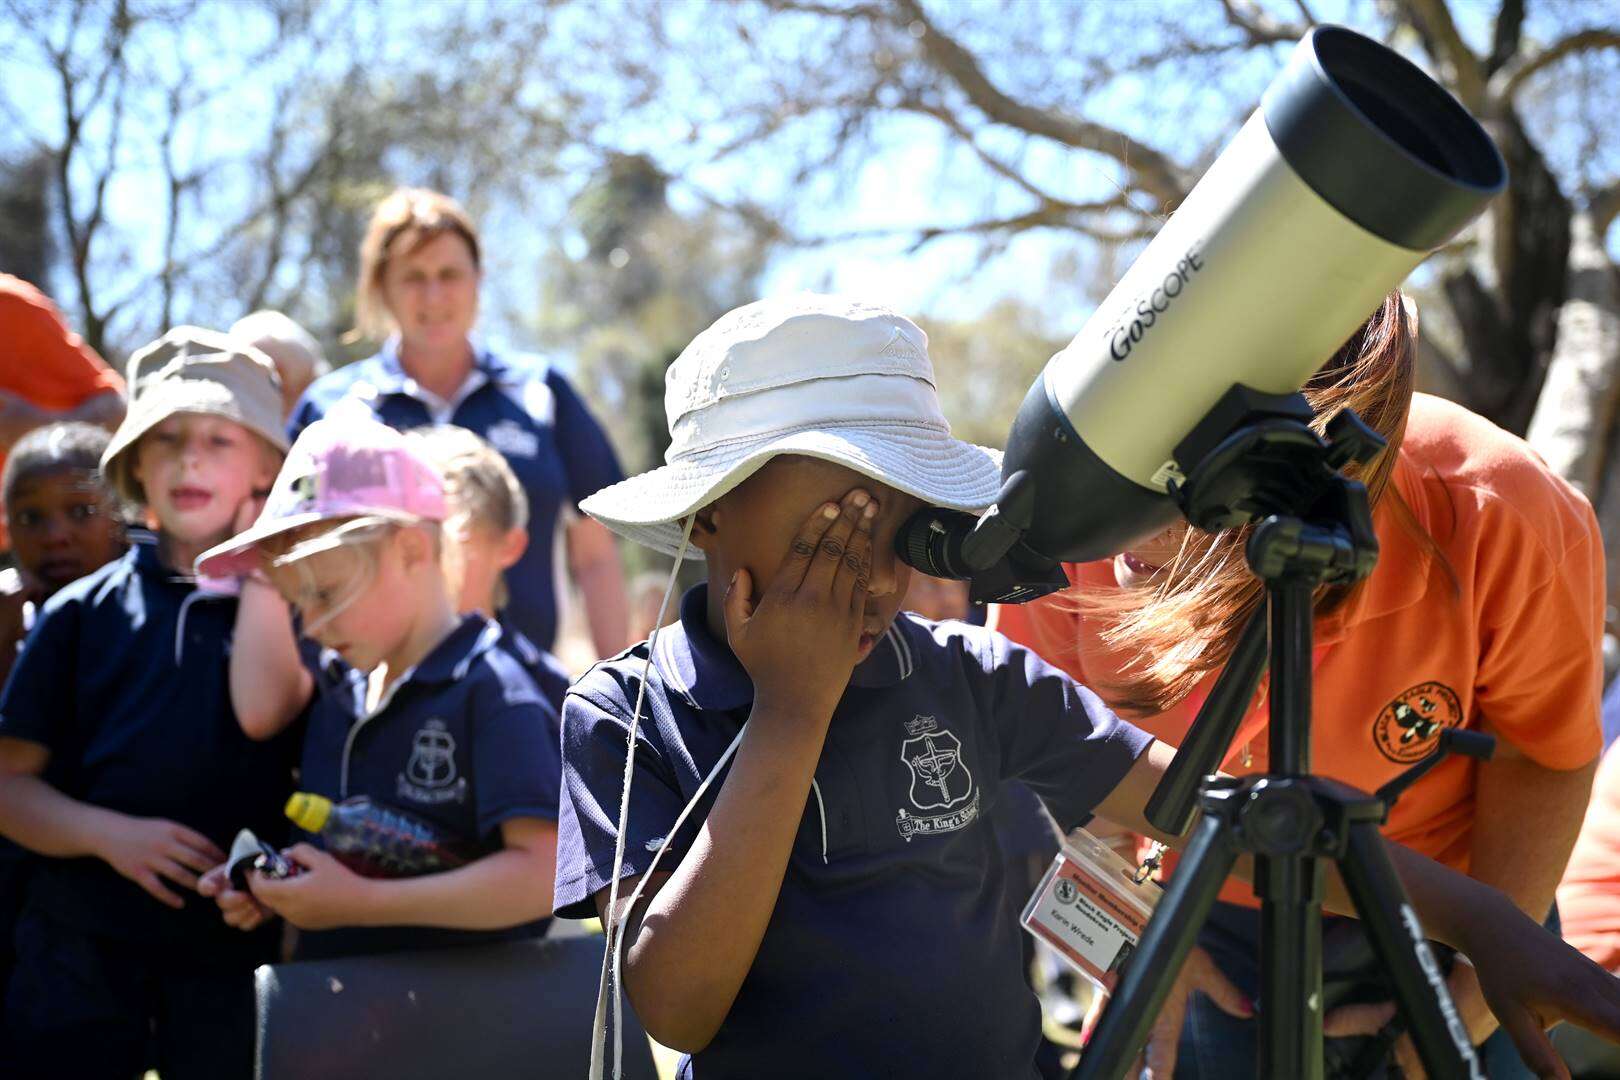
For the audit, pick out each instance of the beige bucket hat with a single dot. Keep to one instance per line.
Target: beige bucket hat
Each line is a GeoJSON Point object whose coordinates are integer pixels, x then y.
{"type": "Point", "coordinates": [192, 370]}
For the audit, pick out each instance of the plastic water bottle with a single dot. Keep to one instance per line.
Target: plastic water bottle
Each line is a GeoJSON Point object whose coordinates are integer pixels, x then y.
{"type": "Point", "coordinates": [373, 840]}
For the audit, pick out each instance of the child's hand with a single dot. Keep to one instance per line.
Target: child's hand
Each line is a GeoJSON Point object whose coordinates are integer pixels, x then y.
{"type": "Point", "coordinates": [799, 640]}
{"type": "Point", "coordinates": [326, 895]}
{"type": "Point", "coordinates": [239, 909]}
{"type": "Point", "coordinates": [1158, 1058]}
{"type": "Point", "coordinates": [248, 510]}
{"type": "Point", "coordinates": [150, 851]}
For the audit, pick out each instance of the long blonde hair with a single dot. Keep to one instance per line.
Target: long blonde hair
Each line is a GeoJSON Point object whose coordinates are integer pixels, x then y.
{"type": "Point", "coordinates": [1183, 625]}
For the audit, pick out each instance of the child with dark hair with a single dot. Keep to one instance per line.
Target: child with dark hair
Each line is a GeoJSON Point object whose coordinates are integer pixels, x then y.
{"type": "Point", "coordinates": [64, 522]}
{"type": "Point", "coordinates": [122, 765]}
{"type": "Point", "coordinates": [818, 766]}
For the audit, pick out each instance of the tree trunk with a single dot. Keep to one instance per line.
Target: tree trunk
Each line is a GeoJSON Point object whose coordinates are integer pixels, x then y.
{"type": "Point", "coordinates": [1506, 306]}
{"type": "Point", "coordinates": [25, 238]}
{"type": "Point", "coordinates": [1575, 412]}
{"type": "Point", "coordinates": [1574, 426]}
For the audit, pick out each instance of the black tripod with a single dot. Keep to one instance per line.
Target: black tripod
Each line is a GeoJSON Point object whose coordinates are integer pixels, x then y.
{"type": "Point", "coordinates": [1257, 460]}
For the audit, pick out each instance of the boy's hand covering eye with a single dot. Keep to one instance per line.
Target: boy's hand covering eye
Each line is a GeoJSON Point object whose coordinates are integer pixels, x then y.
{"type": "Point", "coordinates": [799, 639]}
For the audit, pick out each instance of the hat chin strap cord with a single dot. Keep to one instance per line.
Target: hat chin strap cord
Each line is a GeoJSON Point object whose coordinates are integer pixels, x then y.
{"type": "Point", "coordinates": [612, 955]}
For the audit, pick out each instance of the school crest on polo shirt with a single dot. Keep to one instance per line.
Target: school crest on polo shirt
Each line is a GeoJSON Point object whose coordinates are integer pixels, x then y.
{"type": "Point", "coordinates": [1408, 728]}
{"type": "Point", "coordinates": [512, 439]}
{"type": "Point", "coordinates": [942, 793]}
{"type": "Point", "coordinates": [430, 774]}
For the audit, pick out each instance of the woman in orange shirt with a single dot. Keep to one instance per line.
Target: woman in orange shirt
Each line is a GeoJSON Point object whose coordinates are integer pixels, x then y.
{"type": "Point", "coordinates": [1485, 612]}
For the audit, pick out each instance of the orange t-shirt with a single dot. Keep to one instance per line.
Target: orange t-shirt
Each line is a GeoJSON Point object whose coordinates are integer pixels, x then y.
{"type": "Point", "coordinates": [1513, 646]}
{"type": "Point", "coordinates": [42, 361]}
{"type": "Point", "coordinates": [1589, 895]}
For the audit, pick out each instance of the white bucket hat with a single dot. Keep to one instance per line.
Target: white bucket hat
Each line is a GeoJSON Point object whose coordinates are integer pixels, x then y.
{"type": "Point", "coordinates": [821, 376]}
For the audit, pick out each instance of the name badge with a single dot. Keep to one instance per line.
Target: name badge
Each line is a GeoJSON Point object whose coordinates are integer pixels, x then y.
{"type": "Point", "coordinates": [1090, 910]}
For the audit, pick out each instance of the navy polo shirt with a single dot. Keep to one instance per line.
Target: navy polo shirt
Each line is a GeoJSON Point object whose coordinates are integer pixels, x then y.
{"type": "Point", "coordinates": [125, 679]}
{"type": "Point", "coordinates": [889, 952]}
{"type": "Point", "coordinates": [548, 674]}
{"type": "Point", "coordinates": [525, 408]}
{"type": "Point", "coordinates": [463, 741]}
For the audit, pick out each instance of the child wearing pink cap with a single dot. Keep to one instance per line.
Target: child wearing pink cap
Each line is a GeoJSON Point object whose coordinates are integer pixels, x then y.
{"type": "Point", "coordinates": [408, 703]}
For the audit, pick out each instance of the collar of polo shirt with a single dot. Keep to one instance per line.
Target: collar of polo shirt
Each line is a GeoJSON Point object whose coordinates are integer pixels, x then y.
{"type": "Point", "coordinates": [449, 661]}
{"type": "Point", "coordinates": [394, 380]}
{"type": "Point", "coordinates": [708, 675]}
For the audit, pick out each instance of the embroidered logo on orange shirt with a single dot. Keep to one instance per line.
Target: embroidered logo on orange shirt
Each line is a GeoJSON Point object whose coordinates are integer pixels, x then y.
{"type": "Point", "coordinates": [1408, 727]}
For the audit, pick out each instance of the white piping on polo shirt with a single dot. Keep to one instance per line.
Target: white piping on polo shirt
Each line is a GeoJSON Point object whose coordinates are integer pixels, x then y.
{"type": "Point", "coordinates": [821, 808]}
{"type": "Point", "coordinates": [366, 718]}
{"type": "Point", "coordinates": [180, 620]}
{"type": "Point", "coordinates": [902, 649]}
{"type": "Point", "coordinates": [180, 626]}
{"type": "Point", "coordinates": [672, 670]}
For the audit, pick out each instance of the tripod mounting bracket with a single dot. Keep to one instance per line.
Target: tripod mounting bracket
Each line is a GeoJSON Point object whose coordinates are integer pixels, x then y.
{"type": "Point", "coordinates": [1254, 457]}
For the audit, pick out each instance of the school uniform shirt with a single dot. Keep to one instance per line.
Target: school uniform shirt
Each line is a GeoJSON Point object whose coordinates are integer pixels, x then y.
{"type": "Point", "coordinates": [889, 952]}
{"type": "Point", "coordinates": [124, 679]}
{"type": "Point", "coordinates": [546, 671]}
{"type": "Point", "coordinates": [1498, 625]}
{"type": "Point", "coordinates": [463, 741]}
{"type": "Point", "coordinates": [523, 407]}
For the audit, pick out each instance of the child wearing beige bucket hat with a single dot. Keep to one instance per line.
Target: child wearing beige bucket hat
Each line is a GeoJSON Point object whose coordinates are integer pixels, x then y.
{"type": "Point", "coordinates": [124, 765]}
{"type": "Point", "coordinates": [781, 797]}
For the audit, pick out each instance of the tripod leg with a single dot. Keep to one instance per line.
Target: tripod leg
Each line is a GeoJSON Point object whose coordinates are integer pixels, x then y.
{"type": "Point", "coordinates": [1290, 967]}
{"type": "Point", "coordinates": [1153, 967]}
{"type": "Point", "coordinates": [1420, 986]}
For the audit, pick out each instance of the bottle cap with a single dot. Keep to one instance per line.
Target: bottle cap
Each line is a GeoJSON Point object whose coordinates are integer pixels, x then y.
{"type": "Point", "coordinates": [309, 811]}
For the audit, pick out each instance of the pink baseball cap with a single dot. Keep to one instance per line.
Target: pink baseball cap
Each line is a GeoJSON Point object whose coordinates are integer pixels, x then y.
{"type": "Point", "coordinates": [348, 466]}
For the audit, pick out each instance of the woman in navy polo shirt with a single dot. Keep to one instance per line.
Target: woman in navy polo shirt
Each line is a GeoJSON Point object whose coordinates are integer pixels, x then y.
{"type": "Point", "coordinates": [420, 268]}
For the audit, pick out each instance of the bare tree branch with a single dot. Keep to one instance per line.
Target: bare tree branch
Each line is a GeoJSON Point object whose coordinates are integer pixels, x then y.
{"type": "Point", "coordinates": [1463, 72]}
{"type": "Point", "coordinates": [1260, 26]}
{"type": "Point", "coordinates": [1007, 171]}
{"type": "Point", "coordinates": [174, 188]}
{"type": "Point", "coordinates": [1506, 35]}
{"type": "Point", "coordinates": [81, 231]}
{"type": "Point", "coordinates": [1153, 171]}
{"type": "Point", "coordinates": [809, 7]}
{"type": "Point", "coordinates": [1040, 218]}
{"type": "Point", "coordinates": [1505, 84]}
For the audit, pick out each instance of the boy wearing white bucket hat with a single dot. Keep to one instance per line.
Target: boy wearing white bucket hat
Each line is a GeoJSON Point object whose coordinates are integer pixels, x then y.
{"type": "Point", "coordinates": [121, 761]}
{"type": "Point", "coordinates": [831, 903]}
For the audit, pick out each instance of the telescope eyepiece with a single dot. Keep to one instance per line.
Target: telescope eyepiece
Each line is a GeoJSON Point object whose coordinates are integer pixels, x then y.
{"type": "Point", "coordinates": [931, 541]}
